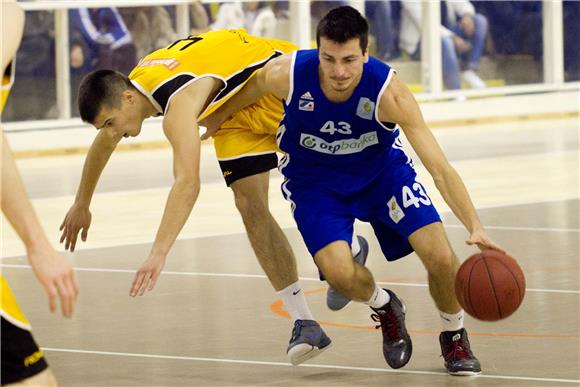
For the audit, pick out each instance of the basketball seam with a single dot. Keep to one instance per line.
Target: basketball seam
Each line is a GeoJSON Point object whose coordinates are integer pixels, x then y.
{"type": "Point", "coordinates": [515, 279]}
{"type": "Point", "coordinates": [492, 287]}
{"type": "Point", "coordinates": [468, 301]}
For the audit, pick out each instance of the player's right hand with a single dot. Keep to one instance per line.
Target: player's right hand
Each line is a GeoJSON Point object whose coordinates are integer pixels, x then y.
{"type": "Point", "coordinates": [77, 218]}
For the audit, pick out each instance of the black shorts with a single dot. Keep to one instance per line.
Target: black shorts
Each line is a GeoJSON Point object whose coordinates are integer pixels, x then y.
{"type": "Point", "coordinates": [237, 169]}
{"type": "Point", "coordinates": [21, 357]}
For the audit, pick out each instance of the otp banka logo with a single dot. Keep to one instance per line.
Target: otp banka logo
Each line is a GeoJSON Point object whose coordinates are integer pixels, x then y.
{"type": "Point", "coordinates": [339, 147]}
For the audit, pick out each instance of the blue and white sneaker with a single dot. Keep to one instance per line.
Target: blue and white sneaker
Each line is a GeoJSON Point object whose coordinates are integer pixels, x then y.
{"type": "Point", "coordinates": [335, 300]}
{"type": "Point", "coordinates": [308, 340]}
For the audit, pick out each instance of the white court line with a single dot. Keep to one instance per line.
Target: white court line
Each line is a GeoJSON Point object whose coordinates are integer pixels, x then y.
{"type": "Point", "coordinates": [510, 228]}
{"type": "Point", "coordinates": [323, 366]}
{"type": "Point", "coordinates": [263, 276]}
{"type": "Point", "coordinates": [446, 225]}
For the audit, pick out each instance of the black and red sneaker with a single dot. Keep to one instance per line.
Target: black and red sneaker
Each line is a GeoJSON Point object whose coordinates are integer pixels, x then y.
{"type": "Point", "coordinates": [397, 345]}
{"type": "Point", "coordinates": [455, 349]}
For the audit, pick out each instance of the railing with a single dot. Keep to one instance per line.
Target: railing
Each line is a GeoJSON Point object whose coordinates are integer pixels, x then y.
{"type": "Point", "coordinates": [431, 72]}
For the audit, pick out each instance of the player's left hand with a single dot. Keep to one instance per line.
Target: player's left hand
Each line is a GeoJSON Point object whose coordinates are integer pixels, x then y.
{"type": "Point", "coordinates": [212, 124]}
{"type": "Point", "coordinates": [467, 24]}
{"type": "Point", "coordinates": [147, 275]}
{"type": "Point", "coordinates": [483, 241]}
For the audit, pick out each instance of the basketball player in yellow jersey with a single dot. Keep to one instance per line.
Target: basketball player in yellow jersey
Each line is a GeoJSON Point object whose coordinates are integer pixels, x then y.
{"type": "Point", "coordinates": [23, 362]}
{"type": "Point", "coordinates": [185, 82]}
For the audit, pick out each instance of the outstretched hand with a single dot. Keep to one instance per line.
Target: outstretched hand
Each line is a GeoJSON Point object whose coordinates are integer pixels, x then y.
{"type": "Point", "coordinates": [77, 218]}
{"type": "Point", "coordinates": [56, 274]}
{"type": "Point", "coordinates": [483, 241]}
{"type": "Point", "coordinates": [147, 275]}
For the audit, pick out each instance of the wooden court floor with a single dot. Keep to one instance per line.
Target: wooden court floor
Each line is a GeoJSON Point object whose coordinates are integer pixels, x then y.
{"type": "Point", "coordinates": [214, 320]}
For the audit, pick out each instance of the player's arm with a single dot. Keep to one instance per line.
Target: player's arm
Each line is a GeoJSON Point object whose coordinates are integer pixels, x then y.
{"type": "Point", "coordinates": [398, 105]}
{"type": "Point", "coordinates": [181, 128]}
{"type": "Point", "coordinates": [273, 78]}
{"type": "Point", "coordinates": [79, 216]}
{"type": "Point", "coordinates": [53, 271]}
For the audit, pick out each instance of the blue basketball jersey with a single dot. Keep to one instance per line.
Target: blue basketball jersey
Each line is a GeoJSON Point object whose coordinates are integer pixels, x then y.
{"type": "Point", "coordinates": [342, 147]}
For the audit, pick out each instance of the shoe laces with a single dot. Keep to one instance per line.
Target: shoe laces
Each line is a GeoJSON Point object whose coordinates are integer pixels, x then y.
{"type": "Point", "coordinates": [389, 323]}
{"type": "Point", "coordinates": [459, 349]}
{"type": "Point", "coordinates": [296, 330]}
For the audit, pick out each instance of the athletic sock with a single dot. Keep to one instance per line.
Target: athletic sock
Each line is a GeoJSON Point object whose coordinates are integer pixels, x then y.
{"type": "Point", "coordinates": [379, 298]}
{"type": "Point", "coordinates": [355, 246]}
{"type": "Point", "coordinates": [452, 322]}
{"type": "Point", "coordinates": [295, 302]}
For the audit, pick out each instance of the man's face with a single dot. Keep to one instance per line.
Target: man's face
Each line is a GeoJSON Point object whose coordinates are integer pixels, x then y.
{"type": "Point", "coordinates": [122, 121]}
{"type": "Point", "coordinates": [341, 64]}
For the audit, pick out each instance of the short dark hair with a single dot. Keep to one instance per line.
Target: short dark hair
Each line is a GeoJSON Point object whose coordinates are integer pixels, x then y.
{"type": "Point", "coordinates": [342, 24]}
{"type": "Point", "coordinates": [99, 89]}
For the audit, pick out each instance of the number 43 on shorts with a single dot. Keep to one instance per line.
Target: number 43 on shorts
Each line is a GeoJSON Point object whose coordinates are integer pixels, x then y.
{"type": "Point", "coordinates": [412, 196]}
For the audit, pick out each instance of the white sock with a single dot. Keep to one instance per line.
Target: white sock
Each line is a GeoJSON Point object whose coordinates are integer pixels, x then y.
{"type": "Point", "coordinates": [295, 302]}
{"type": "Point", "coordinates": [355, 246]}
{"type": "Point", "coordinates": [452, 322]}
{"type": "Point", "coordinates": [379, 298]}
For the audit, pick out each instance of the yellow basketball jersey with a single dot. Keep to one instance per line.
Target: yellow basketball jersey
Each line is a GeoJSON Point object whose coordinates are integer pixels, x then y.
{"type": "Point", "coordinates": [7, 80]}
{"type": "Point", "coordinates": [9, 309]}
{"type": "Point", "coordinates": [231, 56]}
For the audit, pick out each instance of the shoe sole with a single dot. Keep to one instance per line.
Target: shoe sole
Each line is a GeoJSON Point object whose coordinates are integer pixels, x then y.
{"type": "Point", "coordinates": [302, 352]}
{"type": "Point", "coordinates": [464, 373]}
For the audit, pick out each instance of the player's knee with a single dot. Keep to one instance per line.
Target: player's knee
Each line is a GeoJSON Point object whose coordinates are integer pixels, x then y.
{"type": "Point", "coordinates": [250, 206]}
{"type": "Point", "coordinates": [440, 260]}
{"type": "Point", "coordinates": [341, 278]}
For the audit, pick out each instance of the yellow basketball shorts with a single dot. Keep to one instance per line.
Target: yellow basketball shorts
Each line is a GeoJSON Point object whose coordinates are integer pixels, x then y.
{"type": "Point", "coordinates": [21, 357]}
{"type": "Point", "coordinates": [246, 144]}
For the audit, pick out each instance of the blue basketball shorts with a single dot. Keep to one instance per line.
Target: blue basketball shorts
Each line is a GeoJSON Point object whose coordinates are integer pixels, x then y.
{"type": "Point", "coordinates": [396, 205]}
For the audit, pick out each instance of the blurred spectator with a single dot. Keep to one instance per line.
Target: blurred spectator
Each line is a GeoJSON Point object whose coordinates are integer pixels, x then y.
{"type": "Point", "coordinates": [256, 17]}
{"type": "Point", "coordinates": [515, 26]}
{"type": "Point", "coordinates": [259, 19]}
{"type": "Point", "coordinates": [109, 42]}
{"type": "Point", "coordinates": [33, 94]}
{"type": "Point", "coordinates": [150, 27]}
{"type": "Point", "coordinates": [463, 39]}
{"type": "Point", "coordinates": [571, 35]}
{"type": "Point", "coordinates": [229, 16]}
{"type": "Point", "coordinates": [199, 18]}
{"type": "Point", "coordinates": [382, 23]}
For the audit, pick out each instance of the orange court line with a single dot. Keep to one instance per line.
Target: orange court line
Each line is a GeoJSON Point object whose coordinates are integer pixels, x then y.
{"type": "Point", "coordinates": [278, 308]}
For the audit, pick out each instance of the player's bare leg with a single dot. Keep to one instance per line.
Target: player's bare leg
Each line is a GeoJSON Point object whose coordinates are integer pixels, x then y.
{"type": "Point", "coordinates": [432, 246]}
{"type": "Point", "coordinates": [45, 378]}
{"type": "Point", "coordinates": [278, 262]}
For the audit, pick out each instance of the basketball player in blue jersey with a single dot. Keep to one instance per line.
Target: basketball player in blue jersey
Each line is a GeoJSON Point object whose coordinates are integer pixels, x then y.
{"type": "Point", "coordinates": [345, 161]}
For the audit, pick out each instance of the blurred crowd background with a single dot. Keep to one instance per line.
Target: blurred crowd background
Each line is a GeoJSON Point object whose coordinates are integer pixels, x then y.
{"type": "Point", "coordinates": [484, 43]}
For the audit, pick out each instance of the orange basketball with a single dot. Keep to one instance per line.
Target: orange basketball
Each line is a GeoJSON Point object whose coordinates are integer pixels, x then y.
{"type": "Point", "coordinates": [490, 285]}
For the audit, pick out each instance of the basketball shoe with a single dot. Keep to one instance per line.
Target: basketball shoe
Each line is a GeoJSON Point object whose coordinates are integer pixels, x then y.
{"type": "Point", "coordinates": [397, 345]}
{"type": "Point", "coordinates": [308, 340]}
{"type": "Point", "coordinates": [455, 349]}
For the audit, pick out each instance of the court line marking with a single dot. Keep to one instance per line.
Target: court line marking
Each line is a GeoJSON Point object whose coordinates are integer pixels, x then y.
{"type": "Point", "coordinates": [446, 225]}
{"type": "Point", "coordinates": [323, 366]}
{"type": "Point", "coordinates": [511, 228]}
{"type": "Point", "coordinates": [261, 276]}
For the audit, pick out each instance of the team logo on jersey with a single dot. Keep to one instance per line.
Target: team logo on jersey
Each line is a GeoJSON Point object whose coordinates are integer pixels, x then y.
{"type": "Point", "coordinates": [307, 106]}
{"type": "Point", "coordinates": [306, 102]}
{"type": "Point", "coordinates": [170, 63]}
{"type": "Point", "coordinates": [339, 147]}
{"type": "Point", "coordinates": [395, 212]}
{"type": "Point", "coordinates": [365, 108]}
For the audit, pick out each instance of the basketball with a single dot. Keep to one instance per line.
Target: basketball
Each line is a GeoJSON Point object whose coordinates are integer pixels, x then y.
{"type": "Point", "coordinates": [490, 285]}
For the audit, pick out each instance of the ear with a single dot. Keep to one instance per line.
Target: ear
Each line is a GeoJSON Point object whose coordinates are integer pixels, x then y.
{"type": "Point", "coordinates": [366, 55]}
{"type": "Point", "coordinates": [128, 96]}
